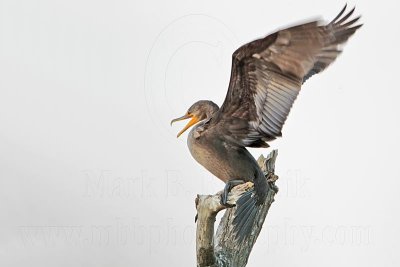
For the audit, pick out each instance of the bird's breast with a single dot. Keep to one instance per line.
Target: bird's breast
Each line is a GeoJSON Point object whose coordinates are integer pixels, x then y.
{"type": "Point", "coordinates": [219, 157]}
{"type": "Point", "coordinates": [205, 152]}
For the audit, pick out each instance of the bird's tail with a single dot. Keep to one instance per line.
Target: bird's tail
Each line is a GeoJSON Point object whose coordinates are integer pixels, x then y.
{"type": "Point", "coordinates": [250, 203]}
{"type": "Point", "coordinates": [245, 215]}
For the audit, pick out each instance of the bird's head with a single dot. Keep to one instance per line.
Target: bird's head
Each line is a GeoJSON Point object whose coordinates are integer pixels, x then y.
{"type": "Point", "coordinates": [199, 111]}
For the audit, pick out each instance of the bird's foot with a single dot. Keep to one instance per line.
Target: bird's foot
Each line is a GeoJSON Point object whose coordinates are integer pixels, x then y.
{"type": "Point", "coordinates": [228, 186]}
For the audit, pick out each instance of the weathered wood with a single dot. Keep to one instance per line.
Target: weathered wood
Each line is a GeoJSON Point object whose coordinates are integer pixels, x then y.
{"type": "Point", "coordinates": [226, 251]}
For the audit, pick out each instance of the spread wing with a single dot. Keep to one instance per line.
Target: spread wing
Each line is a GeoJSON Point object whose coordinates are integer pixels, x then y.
{"type": "Point", "coordinates": [267, 75]}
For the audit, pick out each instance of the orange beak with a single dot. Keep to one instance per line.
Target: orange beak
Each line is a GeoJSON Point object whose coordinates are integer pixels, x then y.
{"type": "Point", "coordinates": [193, 121]}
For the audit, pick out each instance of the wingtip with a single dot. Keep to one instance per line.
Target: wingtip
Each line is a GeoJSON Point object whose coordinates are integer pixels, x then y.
{"type": "Point", "coordinates": [340, 14]}
{"type": "Point", "coordinates": [344, 8]}
{"type": "Point", "coordinates": [339, 19]}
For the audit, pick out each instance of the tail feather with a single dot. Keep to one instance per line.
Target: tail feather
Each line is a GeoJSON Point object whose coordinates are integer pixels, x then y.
{"type": "Point", "coordinates": [244, 204]}
{"type": "Point", "coordinates": [248, 205]}
{"type": "Point", "coordinates": [243, 211]}
{"type": "Point", "coordinates": [245, 217]}
{"type": "Point", "coordinates": [243, 199]}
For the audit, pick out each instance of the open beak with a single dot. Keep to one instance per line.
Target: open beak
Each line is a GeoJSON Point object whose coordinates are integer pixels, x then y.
{"type": "Point", "coordinates": [193, 121]}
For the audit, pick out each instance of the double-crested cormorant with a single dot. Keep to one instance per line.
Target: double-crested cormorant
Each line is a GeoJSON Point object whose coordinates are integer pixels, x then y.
{"type": "Point", "coordinates": [266, 78]}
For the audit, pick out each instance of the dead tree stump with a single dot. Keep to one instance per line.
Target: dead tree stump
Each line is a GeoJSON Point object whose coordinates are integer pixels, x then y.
{"type": "Point", "coordinates": [222, 250]}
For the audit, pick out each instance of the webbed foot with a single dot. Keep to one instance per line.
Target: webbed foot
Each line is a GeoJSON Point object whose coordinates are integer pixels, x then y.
{"type": "Point", "coordinates": [228, 186]}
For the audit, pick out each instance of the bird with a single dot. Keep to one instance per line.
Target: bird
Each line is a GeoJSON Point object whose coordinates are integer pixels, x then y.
{"type": "Point", "coordinates": [266, 77]}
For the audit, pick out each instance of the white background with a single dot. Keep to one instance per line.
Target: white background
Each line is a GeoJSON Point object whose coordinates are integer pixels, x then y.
{"type": "Point", "coordinates": [91, 173]}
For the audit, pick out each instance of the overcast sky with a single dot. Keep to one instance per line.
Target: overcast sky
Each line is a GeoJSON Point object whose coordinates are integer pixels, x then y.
{"type": "Point", "coordinates": [92, 174]}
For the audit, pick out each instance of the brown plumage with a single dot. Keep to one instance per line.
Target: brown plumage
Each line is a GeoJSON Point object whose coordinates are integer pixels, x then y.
{"type": "Point", "coordinates": [266, 77]}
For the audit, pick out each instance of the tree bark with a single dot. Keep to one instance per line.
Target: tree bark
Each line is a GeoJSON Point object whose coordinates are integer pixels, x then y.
{"type": "Point", "coordinates": [226, 251]}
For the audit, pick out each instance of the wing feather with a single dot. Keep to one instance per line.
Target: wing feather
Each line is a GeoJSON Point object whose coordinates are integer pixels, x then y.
{"type": "Point", "coordinates": [267, 75]}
